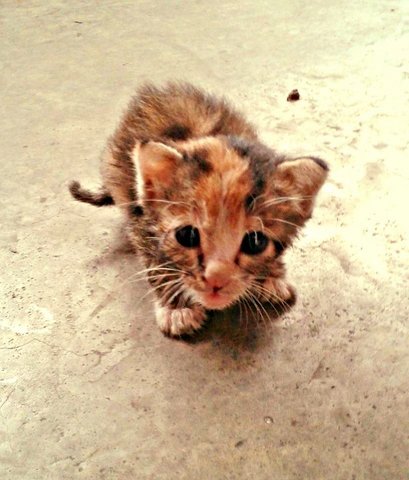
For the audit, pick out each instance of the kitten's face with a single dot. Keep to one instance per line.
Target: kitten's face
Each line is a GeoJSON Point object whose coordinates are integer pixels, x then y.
{"type": "Point", "coordinates": [223, 212]}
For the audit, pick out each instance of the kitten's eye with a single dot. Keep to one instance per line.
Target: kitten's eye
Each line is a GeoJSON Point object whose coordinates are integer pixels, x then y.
{"type": "Point", "coordinates": [188, 236]}
{"type": "Point", "coordinates": [279, 247]}
{"type": "Point", "coordinates": [254, 243]}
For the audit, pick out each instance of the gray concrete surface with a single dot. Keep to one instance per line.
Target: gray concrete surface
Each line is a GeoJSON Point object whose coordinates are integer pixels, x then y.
{"type": "Point", "coordinates": [89, 388]}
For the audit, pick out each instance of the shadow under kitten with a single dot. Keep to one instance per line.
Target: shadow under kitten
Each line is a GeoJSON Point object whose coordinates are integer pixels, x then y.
{"type": "Point", "coordinates": [239, 328]}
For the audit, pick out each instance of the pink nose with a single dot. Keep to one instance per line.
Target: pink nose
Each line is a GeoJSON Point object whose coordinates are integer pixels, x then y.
{"type": "Point", "coordinates": [216, 284]}
{"type": "Point", "coordinates": [217, 276]}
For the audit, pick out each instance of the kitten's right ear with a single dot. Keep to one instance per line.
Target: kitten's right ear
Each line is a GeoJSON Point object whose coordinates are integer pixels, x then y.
{"type": "Point", "coordinates": [155, 165]}
{"type": "Point", "coordinates": [301, 178]}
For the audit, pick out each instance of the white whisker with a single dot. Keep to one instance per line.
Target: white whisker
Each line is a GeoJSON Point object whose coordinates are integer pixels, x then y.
{"type": "Point", "coordinates": [166, 286]}
{"type": "Point", "coordinates": [267, 295]}
{"type": "Point", "coordinates": [265, 317]}
{"type": "Point", "coordinates": [251, 298]}
{"type": "Point", "coordinates": [279, 200]}
{"type": "Point", "coordinates": [157, 200]}
{"type": "Point", "coordinates": [286, 222]}
{"type": "Point", "coordinates": [179, 291]}
{"type": "Point", "coordinates": [156, 269]}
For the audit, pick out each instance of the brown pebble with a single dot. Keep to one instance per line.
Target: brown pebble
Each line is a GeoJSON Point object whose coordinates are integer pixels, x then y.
{"type": "Point", "coordinates": [293, 96]}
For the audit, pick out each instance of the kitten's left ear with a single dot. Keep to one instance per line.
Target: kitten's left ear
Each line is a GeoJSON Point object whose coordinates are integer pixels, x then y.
{"type": "Point", "coordinates": [155, 165]}
{"type": "Point", "coordinates": [302, 177]}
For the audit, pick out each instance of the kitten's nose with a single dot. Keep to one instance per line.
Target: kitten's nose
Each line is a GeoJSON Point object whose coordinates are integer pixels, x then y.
{"type": "Point", "coordinates": [217, 275]}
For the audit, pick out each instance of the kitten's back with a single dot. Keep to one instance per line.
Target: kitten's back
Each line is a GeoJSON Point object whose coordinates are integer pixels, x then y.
{"type": "Point", "coordinates": [180, 111]}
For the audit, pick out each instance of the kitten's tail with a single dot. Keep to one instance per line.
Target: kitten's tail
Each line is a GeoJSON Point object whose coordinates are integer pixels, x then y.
{"type": "Point", "coordinates": [99, 199]}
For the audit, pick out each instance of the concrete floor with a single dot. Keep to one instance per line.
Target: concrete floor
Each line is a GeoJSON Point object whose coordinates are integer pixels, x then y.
{"type": "Point", "coordinates": [89, 388]}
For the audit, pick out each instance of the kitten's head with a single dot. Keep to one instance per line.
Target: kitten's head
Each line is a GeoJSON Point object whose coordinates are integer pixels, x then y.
{"type": "Point", "coordinates": [221, 211]}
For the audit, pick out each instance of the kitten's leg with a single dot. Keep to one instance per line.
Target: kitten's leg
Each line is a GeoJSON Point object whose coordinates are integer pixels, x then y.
{"type": "Point", "coordinates": [179, 321]}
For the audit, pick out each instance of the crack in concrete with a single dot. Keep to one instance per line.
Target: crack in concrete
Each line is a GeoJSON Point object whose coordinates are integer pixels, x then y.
{"type": "Point", "coordinates": [112, 366]}
{"type": "Point", "coordinates": [317, 373]}
{"type": "Point", "coordinates": [71, 458]}
{"type": "Point", "coordinates": [50, 345]}
{"type": "Point", "coordinates": [87, 457]}
{"type": "Point", "coordinates": [104, 303]}
{"type": "Point", "coordinates": [6, 399]}
{"type": "Point", "coordinates": [17, 346]}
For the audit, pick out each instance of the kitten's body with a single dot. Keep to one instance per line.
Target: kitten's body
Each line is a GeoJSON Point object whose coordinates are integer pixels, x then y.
{"type": "Point", "coordinates": [210, 208]}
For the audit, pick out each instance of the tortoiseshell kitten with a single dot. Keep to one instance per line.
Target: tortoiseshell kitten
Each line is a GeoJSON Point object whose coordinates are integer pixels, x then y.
{"type": "Point", "coordinates": [210, 208]}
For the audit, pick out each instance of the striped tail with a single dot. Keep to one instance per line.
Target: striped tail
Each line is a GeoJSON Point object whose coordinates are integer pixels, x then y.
{"type": "Point", "coordinates": [99, 199]}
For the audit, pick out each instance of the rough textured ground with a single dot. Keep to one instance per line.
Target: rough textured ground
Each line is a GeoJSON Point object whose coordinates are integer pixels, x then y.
{"type": "Point", "coordinates": [89, 388]}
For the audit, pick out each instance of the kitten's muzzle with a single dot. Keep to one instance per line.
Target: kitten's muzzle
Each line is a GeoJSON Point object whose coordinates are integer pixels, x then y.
{"type": "Point", "coordinates": [217, 284]}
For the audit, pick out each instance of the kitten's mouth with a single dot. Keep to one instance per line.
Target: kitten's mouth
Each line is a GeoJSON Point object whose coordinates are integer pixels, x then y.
{"type": "Point", "coordinates": [215, 300]}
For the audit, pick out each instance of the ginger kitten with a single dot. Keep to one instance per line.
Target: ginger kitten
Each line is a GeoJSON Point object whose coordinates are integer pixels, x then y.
{"type": "Point", "coordinates": [209, 207]}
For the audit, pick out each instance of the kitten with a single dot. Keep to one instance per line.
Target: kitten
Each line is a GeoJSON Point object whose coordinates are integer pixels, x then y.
{"type": "Point", "coordinates": [210, 208]}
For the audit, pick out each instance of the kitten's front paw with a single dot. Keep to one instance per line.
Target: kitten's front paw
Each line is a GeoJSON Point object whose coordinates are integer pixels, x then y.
{"type": "Point", "coordinates": [179, 321]}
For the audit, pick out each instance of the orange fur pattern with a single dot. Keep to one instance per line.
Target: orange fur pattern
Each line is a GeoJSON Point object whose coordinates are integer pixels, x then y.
{"type": "Point", "coordinates": [210, 208]}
